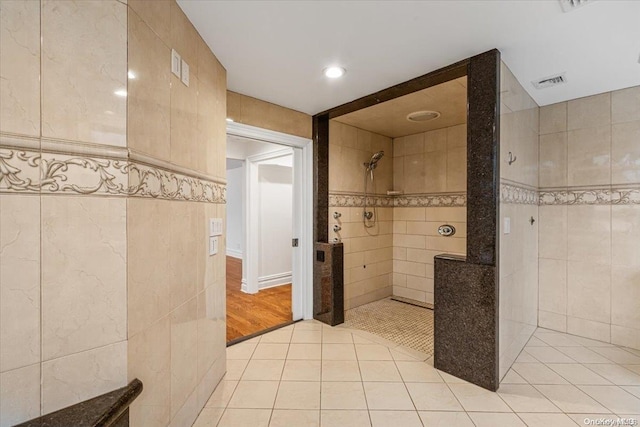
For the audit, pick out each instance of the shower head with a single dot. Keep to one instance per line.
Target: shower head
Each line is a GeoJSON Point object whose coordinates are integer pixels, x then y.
{"type": "Point", "coordinates": [374, 160]}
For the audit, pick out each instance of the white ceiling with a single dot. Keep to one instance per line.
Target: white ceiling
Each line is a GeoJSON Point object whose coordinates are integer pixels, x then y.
{"type": "Point", "coordinates": [276, 50]}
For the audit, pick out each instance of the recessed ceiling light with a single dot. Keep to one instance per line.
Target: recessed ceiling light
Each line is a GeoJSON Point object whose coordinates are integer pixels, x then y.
{"type": "Point", "coordinates": [121, 93]}
{"type": "Point", "coordinates": [334, 72]}
{"type": "Point", "coordinates": [422, 116]}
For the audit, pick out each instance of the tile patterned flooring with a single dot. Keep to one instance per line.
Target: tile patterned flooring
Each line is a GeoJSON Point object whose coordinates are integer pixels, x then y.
{"type": "Point", "coordinates": [309, 374]}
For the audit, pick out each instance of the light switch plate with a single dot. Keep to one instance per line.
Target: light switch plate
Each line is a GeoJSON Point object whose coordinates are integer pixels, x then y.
{"type": "Point", "coordinates": [507, 225]}
{"type": "Point", "coordinates": [215, 226]}
{"type": "Point", "coordinates": [213, 245]}
{"type": "Point", "coordinates": [175, 63]}
{"type": "Point", "coordinates": [185, 73]}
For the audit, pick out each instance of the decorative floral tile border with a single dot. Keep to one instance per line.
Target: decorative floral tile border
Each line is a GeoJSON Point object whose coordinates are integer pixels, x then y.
{"type": "Point", "coordinates": [591, 196]}
{"type": "Point", "coordinates": [27, 171]}
{"type": "Point", "coordinates": [515, 194]}
{"type": "Point", "coordinates": [418, 200]}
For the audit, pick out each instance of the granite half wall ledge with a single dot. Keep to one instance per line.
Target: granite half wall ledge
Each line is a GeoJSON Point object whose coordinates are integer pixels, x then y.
{"type": "Point", "coordinates": [109, 409]}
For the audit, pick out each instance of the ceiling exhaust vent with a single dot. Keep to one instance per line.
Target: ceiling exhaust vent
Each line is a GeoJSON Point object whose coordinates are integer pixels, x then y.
{"type": "Point", "coordinates": [550, 81]}
{"type": "Point", "coordinates": [571, 5]}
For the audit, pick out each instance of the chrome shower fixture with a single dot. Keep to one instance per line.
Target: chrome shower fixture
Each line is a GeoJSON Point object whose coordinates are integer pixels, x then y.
{"type": "Point", "coordinates": [373, 163]}
{"type": "Point", "coordinates": [336, 228]}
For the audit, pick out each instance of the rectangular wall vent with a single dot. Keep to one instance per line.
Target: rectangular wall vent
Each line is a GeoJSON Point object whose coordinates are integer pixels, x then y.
{"type": "Point", "coordinates": [550, 81]}
{"type": "Point", "coordinates": [570, 5]}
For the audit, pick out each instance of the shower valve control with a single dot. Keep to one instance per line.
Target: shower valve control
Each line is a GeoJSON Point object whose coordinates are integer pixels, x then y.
{"type": "Point", "coordinates": [337, 215]}
{"type": "Point", "coordinates": [336, 228]}
{"type": "Point", "coordinates": [446, 230]}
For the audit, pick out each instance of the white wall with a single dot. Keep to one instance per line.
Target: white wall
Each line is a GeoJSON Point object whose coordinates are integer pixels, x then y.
{"type": "Point", "coordinates": [275, 222]}
{"type": "Point", "coordinates": [235, 202]}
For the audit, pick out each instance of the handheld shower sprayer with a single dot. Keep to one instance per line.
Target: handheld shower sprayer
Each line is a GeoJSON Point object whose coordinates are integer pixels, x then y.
{"type": "Point", "coordinates": [370, 166]}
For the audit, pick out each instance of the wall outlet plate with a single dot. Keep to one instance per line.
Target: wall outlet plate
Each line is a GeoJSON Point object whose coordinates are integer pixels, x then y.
{"type": "Point", "coordinates": [185, 73]}
{"type": "Point", "coordinates": [213, 245]}
{"type": "Point", "coordinates": [175, 63]}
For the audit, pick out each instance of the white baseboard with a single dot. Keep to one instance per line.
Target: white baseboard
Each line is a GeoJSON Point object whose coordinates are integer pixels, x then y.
{"type": "Point", "coordinates": [234, 253]}
{"type": "Point", "coordinates": [274, 280]}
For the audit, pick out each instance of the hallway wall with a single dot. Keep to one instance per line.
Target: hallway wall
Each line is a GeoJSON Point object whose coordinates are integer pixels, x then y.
{"type": "Point", "coordinates": [107, 181]}
{"type": "Point", "coordinates": [590, 217]}
{"type": "Point", "coordinates": [519, 116]}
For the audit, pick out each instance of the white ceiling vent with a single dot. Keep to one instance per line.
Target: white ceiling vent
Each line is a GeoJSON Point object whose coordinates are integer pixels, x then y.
{"type": "Point", "coordinates": [571, 5]}
{"type": "Point", "coordinates": [546, 82]}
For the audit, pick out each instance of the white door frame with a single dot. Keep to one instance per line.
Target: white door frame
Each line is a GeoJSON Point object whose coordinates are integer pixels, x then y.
{"type": "Point", "coordinates": [302, 287]}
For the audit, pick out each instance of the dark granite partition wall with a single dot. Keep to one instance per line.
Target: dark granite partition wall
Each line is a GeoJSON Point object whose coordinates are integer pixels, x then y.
{"type": "Point", "coordinates": [466, 289]}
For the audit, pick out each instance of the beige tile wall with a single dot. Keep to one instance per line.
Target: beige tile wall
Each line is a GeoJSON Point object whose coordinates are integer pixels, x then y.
{"type": "Point", "coordinates": [518, 264]}
{"type": "Point", "coordinates": [416, 241]}
{"type": "Point", "coordinates": [431, 162]}
{"type": "Point", "coordinates": [96, 289]}
{"type": "Point", "coordinates": [176, 299]}
{"type": "Point", "coordinates": [349, 149]}
{"type": "Point", "coordinates": [251, 111]}
{"type": "Point", "coordinates": [589, 268]}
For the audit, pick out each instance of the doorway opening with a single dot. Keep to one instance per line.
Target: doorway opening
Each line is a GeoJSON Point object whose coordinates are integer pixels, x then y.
{"type": "Point", "coordinates": [269, 229]}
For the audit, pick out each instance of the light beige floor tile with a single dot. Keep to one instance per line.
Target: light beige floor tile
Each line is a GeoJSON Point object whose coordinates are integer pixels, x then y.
{"type": "Point", "coordinates": [635, 390]}
{"type": "Point", "coordinates": [570, 399]}
{"type": "Point", "coordinates": [342, 395]}
{"type": "Point", "coordinates": [556, 340]}
{"type": "Point", "coordinates": [373, 352]}
{"type": "Point", "coordinates": [235, 369]}
{"type": "Point", "coordinates": [254, 340]}
{"type": "Point", "coordinates": [577, 374]}
{"type": "Point", "coordinates": [618, 355]}
{"type": "Point", "coordinates": [512, 377]}
{"type": "Point", "coordinates": [402, 356]}
{"type": "Point", "coordinates": [277, 336]}
{"type": "Point", "coordinates": [222, 394]}
{"type": "Point", "coordinates": [418, 372]}
{"type": "Point", "coordinates": [525, 398]}
{"type": "Point", "coordinates": [496, 419]}
{"type": "Point", "coordinates": [613, 398]}
{"type": "Point", "coordinates": [387, 396]}
{"type": "Point", "coordinates": [241, 351]}
{"type": "Point", "coordinates": [525, 357]}
{"type": "Point", "coordinates": [445, 419]}
{"type": "Point", "coordinates": [450, 379]}
{"type": "Point", "coordinates": [298, 395]}
{"type": "Point", "coordinates": [474, 398]}
{"type": "Point", "coordinates": [379, 370]}
{"type": "Point", "coordinates": [270, 351]}
{"type": "Point", "coordinates": [418, 355]}
{"type": "Point", "coordinates": [338, 352]}
{"type": "Point", "coordinates": [308, 325]}
{"type": "Point", "coordinates": [340, 370]}
{"type": "Point", "coordinates": [294, 418]}
{"type": "Point", "coordinates": [304, 351]}
{"type": "Point", "coordinates": [537, 373]}
{"type": "Point", "coordinates": [259, 370]}
{"type": "Point", "coordinates": [209, 417]}
{"type": "Point", "coordinates": [634, 368]}
{"type": "Point", "coordinates": [583, 355]}
{"type": "Point", "coordinates": [618, 375]}
{"type": "Point", "coordinates": [344, 418]}
{"type": "Point", "coordinates": [301, 370]}
{"type": "Point", "coordinates": [336, 337]}
{"type": "Point", "coordinates": [549, 355]}
{"type": "Point", "coordinates": [358, 338]}
{"type": "Point", "coordinates": [302, 336]}
{"type": "Point", "coordinates": [546, 420]}
{"type": "Point", "coordinates": [395, 419]}
{"type": "Point", "coordinates": [245, 418]}
{"type": "Point", "coordinates": [536, 342]}
{"type": "Point", "coordinates": [254, 394]}
{"type": "Point", "coordinates": [433, 397]}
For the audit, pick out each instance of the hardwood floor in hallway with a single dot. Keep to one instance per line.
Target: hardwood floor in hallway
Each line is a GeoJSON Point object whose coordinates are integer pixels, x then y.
{"type": "Point", "coordinates": [250, 313]}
